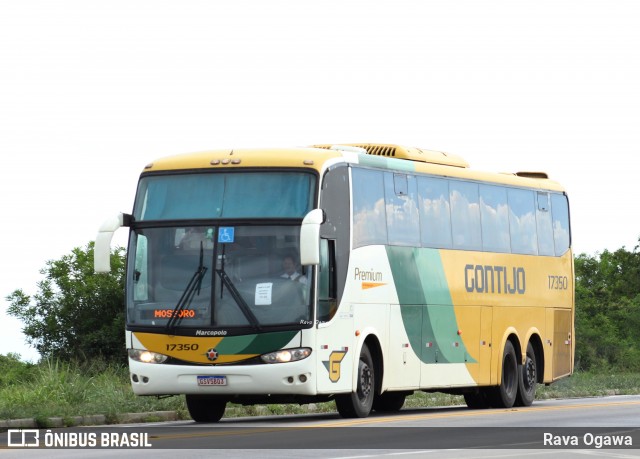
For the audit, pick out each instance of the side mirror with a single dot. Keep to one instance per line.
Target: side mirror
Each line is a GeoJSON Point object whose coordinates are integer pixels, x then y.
{"type": "Point", "coordinates": [310, 237]}
{"type": "Point", "coordinates": [102, 247]}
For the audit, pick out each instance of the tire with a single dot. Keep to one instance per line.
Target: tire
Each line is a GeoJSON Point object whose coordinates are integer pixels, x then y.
{"type": "Point", "coordinates": [205, 409]}
{"type": "Point", "coordinates": [359, 404]}
{"type": "Point", "coordinates": [477, 400]}
{"type": "Point", "coordinates": [528, 379]}
{"type": "Point", "coordinates": [389, 402]}
{"type": "Point", "coordinates": [504, 396]}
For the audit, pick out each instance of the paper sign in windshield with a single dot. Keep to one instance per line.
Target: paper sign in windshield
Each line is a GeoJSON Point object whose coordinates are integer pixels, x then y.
{"type": "Point", "coordinates": [263, 293]}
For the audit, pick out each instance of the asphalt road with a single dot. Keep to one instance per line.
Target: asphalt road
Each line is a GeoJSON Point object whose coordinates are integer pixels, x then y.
{"type": "Point", "coordinates": [604, 427]}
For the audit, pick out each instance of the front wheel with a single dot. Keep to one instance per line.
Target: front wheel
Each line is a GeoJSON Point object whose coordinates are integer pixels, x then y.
{"type": "Point", "coordinates": [358, 404]}
{"type": "Point", "coordinates": [205, 409]}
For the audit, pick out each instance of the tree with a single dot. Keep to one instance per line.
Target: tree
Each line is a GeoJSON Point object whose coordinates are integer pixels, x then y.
{"type": "Point", "coordinates": [13, 370]}
{"type": "Point", "coordinates": [608, 310]}
{"type": "Point", "coordinates": [76, 314]}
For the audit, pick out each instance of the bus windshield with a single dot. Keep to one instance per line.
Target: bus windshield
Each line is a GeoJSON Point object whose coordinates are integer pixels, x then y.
{"type": "Point", "coordinates": [217, 277]}
{"type": "Point", "coordinates": [224, 195]}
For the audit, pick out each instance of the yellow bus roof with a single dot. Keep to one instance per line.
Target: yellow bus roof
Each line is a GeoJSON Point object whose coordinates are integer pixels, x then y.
{"type": "Point", "coordinates": [255, 157]}
{"type": "Point", "coordinates": [386, 156]}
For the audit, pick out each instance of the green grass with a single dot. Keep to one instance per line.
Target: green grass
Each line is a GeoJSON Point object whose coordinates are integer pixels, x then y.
{"type": "Point", "coordinates": [56, 389]}
{"type": "Point", "coordinates": [592, 385]}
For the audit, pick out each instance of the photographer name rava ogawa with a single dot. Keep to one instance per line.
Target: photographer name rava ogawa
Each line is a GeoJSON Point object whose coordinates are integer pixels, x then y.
{"type": "Point", "coordinates": [588, 440]}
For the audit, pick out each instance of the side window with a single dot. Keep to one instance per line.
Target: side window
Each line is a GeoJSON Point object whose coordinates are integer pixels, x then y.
{"type": "Point", "coordinates": [545, 228]}
{"type": "Point", "coordinates": [403, 224]}
{"type": "Point", "coordinates": [369, 219]}
{"type": "Point", "coordinates": [494, 215]}
{"type": "Point", "coordinates": [335, 200]}
{"type": "Point", "coordinates": [560, 214]}
{"type": "Point", "coordinates": [522, 222]}
{"type": "Point", "coordinates": [327, 304]}
{"type": "Point", "coordinates": [141, 272]}
{"type": "Point", "coordinates": [465, 215]}
{"type": "Point", "coordinates": [435, 212]}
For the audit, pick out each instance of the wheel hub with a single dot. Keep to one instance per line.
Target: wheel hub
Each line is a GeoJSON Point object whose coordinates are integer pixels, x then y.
{"type": "Point", "coordinates": [365, 380]}
{"type": "Point", "coordinates": [530, 373]}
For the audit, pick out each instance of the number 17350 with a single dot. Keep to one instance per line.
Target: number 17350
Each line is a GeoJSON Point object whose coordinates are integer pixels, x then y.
{"type": "Point", "coordinates": [558, 283]}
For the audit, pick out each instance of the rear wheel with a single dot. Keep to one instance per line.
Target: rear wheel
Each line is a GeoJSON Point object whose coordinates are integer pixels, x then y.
{"type": "Point", "coordinates": [389, 402]}
{"type": "Point", "coordinates": [528, 379]}
{"type": "Point", "coordinates": [504, 396]}
{"type": "Point", "coordinates": [205, 409]}
{"type": "Point", "coordinates": [358, 404]}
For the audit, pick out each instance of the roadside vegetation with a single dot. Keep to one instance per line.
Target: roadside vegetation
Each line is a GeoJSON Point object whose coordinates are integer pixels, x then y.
{"type": "Point", "coordinates": [53, 388]}
{"type": "Point", "coordinates": [75, 321]}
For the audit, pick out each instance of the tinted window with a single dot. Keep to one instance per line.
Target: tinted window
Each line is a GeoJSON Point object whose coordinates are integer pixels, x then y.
{"type": "Point", "coordinates": [545, 228]}
{"type": "Point", "coordinates": [560, 213]}
{"type": "Point", "coordinates": [494, 215]}
{"type": "Point", "coordinates": [465, 215]}
{"type": "Point", "coordinates": [326, 282]}
{"type": "Point", "coordinates": [185, 265]}
{"type": "Point", "coordinates": [403, 225]}
{"type": "Point", "coordinates": [435, 212]}
{"type": "Point", "coordinates": [522, 222]}
{"type": "Point", "coordinates": [369, 218]}
{"type": "Point", "coordinates": [402, 209]}
{"type": "Point", "coordinates": [224, 195]}
{"type": "Point", "coordinates": [335, 201]}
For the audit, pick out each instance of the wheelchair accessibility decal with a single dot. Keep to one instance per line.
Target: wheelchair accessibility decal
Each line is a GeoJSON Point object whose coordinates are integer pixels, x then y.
{"type": "Point", "coordinates": [226, 234]}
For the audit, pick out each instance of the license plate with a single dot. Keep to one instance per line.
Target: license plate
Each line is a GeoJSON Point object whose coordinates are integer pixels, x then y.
{"type": "Point", "coordinates": [212, 380]}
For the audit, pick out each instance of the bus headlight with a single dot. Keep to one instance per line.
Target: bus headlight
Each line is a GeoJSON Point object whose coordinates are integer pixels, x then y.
{"type": "Point", "coordinates": [143, 356]}
{"type": "Point", "coordinates": [286, 355]}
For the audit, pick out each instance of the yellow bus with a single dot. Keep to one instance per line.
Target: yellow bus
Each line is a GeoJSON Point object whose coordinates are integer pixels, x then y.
{"type": "Point", "coordinates": [356, 273]}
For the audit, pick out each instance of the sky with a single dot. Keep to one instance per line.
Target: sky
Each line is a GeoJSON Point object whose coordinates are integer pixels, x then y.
{"type": "Point", "coordinates": [90, 92]}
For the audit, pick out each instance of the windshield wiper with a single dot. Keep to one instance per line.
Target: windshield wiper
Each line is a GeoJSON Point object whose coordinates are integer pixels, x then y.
{"type": "Point", "coordinates": [192, 288]}
{"type": "Point", "coordinates": [242, 304]}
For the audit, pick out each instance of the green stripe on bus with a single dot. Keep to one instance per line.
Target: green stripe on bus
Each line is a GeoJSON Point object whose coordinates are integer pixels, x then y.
{"type": "Point", "coordinates": [255, 344]}
{"type": "Point", "coordinates": [426, 305]}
